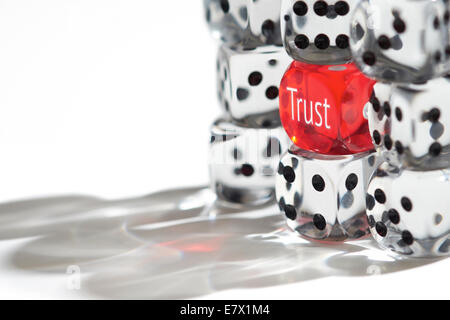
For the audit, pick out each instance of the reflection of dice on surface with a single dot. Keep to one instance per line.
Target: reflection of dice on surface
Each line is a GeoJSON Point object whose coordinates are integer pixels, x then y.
{"type": "Point", "coordinates": [248, 84]}
{"type": "Point", "coordinates": [323, 196]}
{"type": "Point", "coordinates": [409, 211]}
{"type": "Point", "coordinates": [413, 125]}
{"type": "Point", "coordinates": [322, 108]}
{"type": "Point", "coordinates": [243, 162]}
{"type": "Point", "coordinates": [317, 32]}
{"type": "Point", "coordinates": [402, 40]}
{"type": "Point", "coordinates": [248, 22]}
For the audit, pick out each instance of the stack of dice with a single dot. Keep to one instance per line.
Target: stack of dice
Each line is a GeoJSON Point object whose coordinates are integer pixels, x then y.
{"type": "Point", "coordinates": [404, 44]}
{"type": "Point", "coordinates": [247, 141]}
{"type": "Point", "coordinates": [322, 179]}
{"type": "Point", "coordinates": [365, 156]}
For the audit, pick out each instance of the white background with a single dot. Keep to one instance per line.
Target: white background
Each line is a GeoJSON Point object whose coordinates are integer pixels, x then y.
{"type": "Point", "coordinates": [105, 97]}
{"type": "Point", "coordinates": [114, 98]}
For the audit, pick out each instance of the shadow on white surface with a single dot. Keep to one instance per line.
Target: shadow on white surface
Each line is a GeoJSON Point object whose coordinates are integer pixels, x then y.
{"type": "Point", "coordinates": [176, 244]}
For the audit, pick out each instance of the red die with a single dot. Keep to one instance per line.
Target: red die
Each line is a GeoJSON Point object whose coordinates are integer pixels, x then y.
{"type": "Point", "coordinates": [322, 108]}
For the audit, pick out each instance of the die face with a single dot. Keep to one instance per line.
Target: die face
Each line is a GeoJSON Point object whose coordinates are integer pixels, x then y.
{"type": "Point", "coordinates": [408, 219]}
{"type": "Point", "coordinates": [317, 32]}
{"type": "Point", "coordinates": [248, 84]}
{"type": "Point", "coordinates": [302, 203]}
{"type": "Point", "coordinates": [421, 124]}
{"type": "Point", "coordinates": [243, 162]}
{"type": "Point", "coordinates": [401, 41]}
{"type": "Point", "coordinates": [246, 22]}
{"type": "Point", "coordinates": [322, 108]}
{"type": "Point", "coordinates": [323, 196]}
{"type": "Point", "coordinates": [416, 119]}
